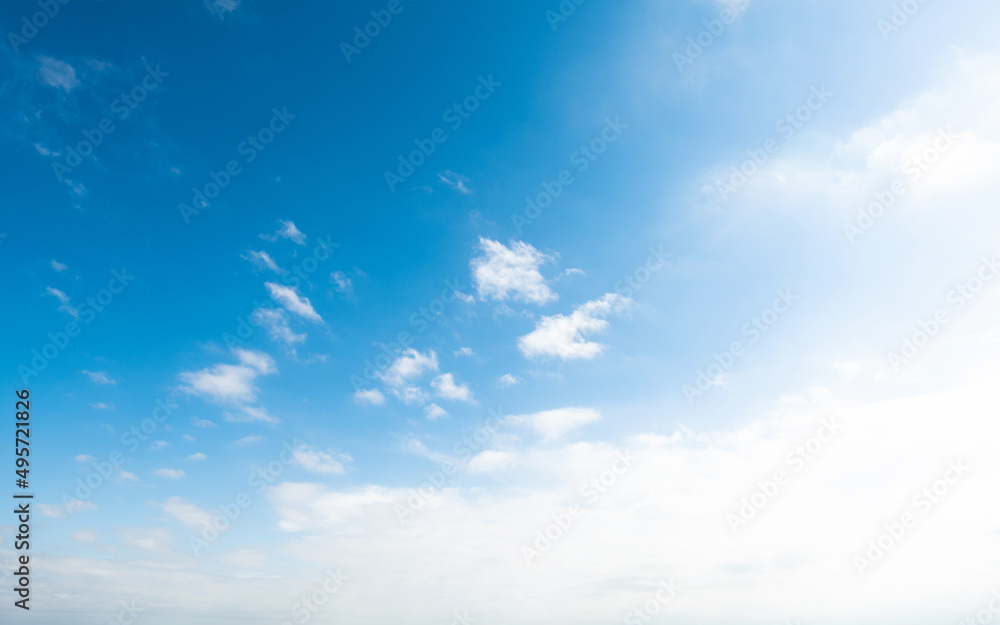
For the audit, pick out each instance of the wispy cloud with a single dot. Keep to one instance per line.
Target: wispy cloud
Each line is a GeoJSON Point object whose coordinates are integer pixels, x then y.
{"type": "Point", "coordinates": [56, 73]}
{"type": "Point", "coordinates": [58, 266]}
{"type": "Point", "coordinates": [293, 302]}
{"type": "Point", "coordinates": [445, 386]}
{"type": "Point", "coordinates": [563, 337]}
{"type": "Point", "coordinates": [99, 377]}
{"type": "Point", "coordinates": [370, 397]}
{"type": "Point", "coordinates": [287, 230]}
{"type": "Point", "coordinates": [64, 301]}
{"type": "Point", "coordinates": [410, 366]}
{"type": "Point", "coordinates": [262, 260]}
{"type": "Point", "coordinates": [455, 181]}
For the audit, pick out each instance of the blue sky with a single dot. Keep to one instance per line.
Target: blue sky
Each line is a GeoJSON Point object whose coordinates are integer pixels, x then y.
{"type": "Point", "coordinates": [348, 328]}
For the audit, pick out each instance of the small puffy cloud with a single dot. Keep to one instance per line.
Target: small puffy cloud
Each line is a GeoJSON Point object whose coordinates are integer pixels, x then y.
{"type": "Point", "coordinates": [128, 475]}
{"type": "Point", "coordinates": [434, 412]}
{"type": "Point", "coordinates": [248, 440]}
{"type": "Point", "coordinates": [286, 231]}
{"type": "Point", "coordinates": [229, 384]}
{"type": "Point", "coordinates": [64, 302]}
{"type": "Point", "coordinates": [56, 73]}
{"type": "Point", "coordinates": [553, 424]}
{"type": "Point", "coordinates": [197, 457]}
{"type": "Point", "coordinates": [275, 321]}
{"type": "Point", "coordinates": [84, 458]}
{"type": "Point", "coordinates": [343, 283]}
{"type": "Point", "coordinates": [490, 461]}
{"type": "Point", "coordinates": [98, 377]}
{"type": "Point", "coordinates": [455, 181]}
{"type": "Point", "coordinates": [465, 351]}
{"type": "Point", "coordinates": [508, 379]}
{"type": "Point", "coordinates": [170, 474]}
{"type": "Point", "coordinates": [102, 406]}
{"type": "Point", "coordinates": [501, 272]}
{"type": "Point", "coordinates": [158, 445]}
{"type": "Point", "coordinates": [58, 266]}
{"type": "Point", "coordinates": [186, 512]}
{"type": "Point", "coordinates": [293, 302]}
{"type": "Point", "coordinates": [201, 423]}
{"type": "Point", "coordinates": [262, 260]}
{"type": "Point", "coordinates": [315, 460]}
{"type": "Point", "coordinates": [370, 397]}
{"type": "Point", "coordinates": [85, 536]}
{"type": "Point", "coordinates": [445, 386]}
{"type": "Point", "coordinates": [409, 366]}
{"type": "Point", "coordinates": [562, 336]}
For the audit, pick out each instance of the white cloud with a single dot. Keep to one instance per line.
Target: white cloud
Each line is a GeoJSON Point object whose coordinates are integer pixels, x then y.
{"type": "Point", "coordinates": [99, 377]}
{"type": "Point", "coordinates": [248, 440]}
{"type": "Point", "coordinates": [202, 423]}
{"type": "Point", "coordinates": [553, 424]}
{"type": "Point", "coordinates": [275, 321]}
{"type": "Point", "coordinates": [58, 74]}
{"type": "Point", "coordinates": [170, 474]}
{"type": "Point", "coordinates": [411, 395]}
{"type": "Point", "coordinates": [455, 181]}
{"type": "Point", "coordinates": [315, 460]}
{"type": "Point", "coordinates": [197, 457]}
{"type": "Point", "coordinates": [102, 406]}
{"type": "Point", "coordinates": [158, 445]}
{"type": "Point", "coordinates": [465, 351]}
{"type": "Point", "coordinates": [502, 272]}
{"type": "Point", "coordinates": [343, 282]}
{"type": "Point", "coordinates": [84, 458]}
{"type": "Point", "coordinates": [230, 384]}
{"type": "Point", "coordinates": [563, 337]}
{"type": "Point", "coordinates": [71, 506]}
{"type": "Point", "coordinates": [287, 231]}
{"type": "Point", "coordinates": [444, 386]}
{"type": "Point", "coordinates": [434, 412]}
{"type": "Point", "coordinates": [410, 365]}
{"type": "Point", "coordinates": [186, 512]}
{"type": "Point", "coordinates": [371, 397]}
{"type": "Point", "coordinates": [58, 266]}
{"type": "Point", "coordinates": [262, 260]}
{"type": "Point", "coordinates": [490, 461]}
{"type": "Point", "coordinates": [64, 301]}
{"type": "Point", "coordinates": [293, 302]}
{"type": "Point", "coordinates": [508, 379]}
{"type": "Point", "coordinates": [85, 536]}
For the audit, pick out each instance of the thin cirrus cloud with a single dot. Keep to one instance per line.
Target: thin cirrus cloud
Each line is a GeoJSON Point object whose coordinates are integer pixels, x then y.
{"type": "Point", "coordinates": [551, 425]}
{"type": "Point", "coordinates": [64, 301]}
{"type": "Point", "coordinates": [262, 260]}
{"type": "Point", "coordinates": [286, 231]}
{"type": "Point", "coordinates": [293, 302]}
{"type": "Point", "coordinates": [502, 272]}
{"type": "Point", "coordinates": [275, 321]}
{"type": "Point", "coordinates": [564, 337]}
{"type": "Point", "coordinates": [98, 377]}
